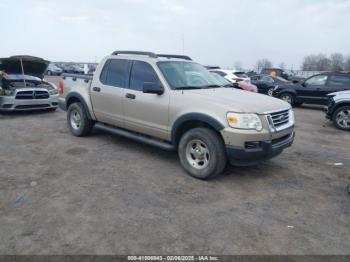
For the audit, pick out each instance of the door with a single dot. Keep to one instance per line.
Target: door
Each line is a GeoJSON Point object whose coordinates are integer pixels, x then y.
{"type": "Point", "coordinates": [313, 90]}
{"type": "Point", "coordinates": [146, 113]}
{"type": "Point", "coordinates": [339, 82]}
{"type": "Point", "coordinates": [107, 93]}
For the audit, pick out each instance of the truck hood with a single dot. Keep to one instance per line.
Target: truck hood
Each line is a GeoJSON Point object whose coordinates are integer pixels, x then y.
{"type": "Point", "coordinates": [240, 101]}
{"type": "Point", "coordinates": [33, 66]}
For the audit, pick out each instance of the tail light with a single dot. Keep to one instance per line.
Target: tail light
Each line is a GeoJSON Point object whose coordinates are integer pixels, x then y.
{"type": "Point", "coordinates": [60, 87]}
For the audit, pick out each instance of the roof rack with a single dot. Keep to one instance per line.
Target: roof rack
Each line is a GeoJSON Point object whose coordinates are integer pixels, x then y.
{"type": "Point", "coordinates": [185, 57]}
{"type": "Point", "coordinates": [150, 54]}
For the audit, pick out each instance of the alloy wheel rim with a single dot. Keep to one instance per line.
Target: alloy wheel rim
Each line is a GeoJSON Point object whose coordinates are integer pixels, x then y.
{"type": "Point", "coordinates": [343, 118]}
{"type": "Point", "coordinates": [287, 98]}
{"type": "Point", "coordinates": [197, 154]}
{"type": "Point", "coordinates": [270, 91]}
{"type": "Point", "coordinates": [75, 119]}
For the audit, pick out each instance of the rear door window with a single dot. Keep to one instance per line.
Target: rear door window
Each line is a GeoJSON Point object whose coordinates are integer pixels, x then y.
{"type": "Point", "coordinates": [115, 73]}
{"type": "Point", "coordinates": [338, 80]}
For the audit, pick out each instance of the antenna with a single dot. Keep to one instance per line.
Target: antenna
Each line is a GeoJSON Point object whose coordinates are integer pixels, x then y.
{"type": "Point", "coordinates": [183, 43]}
{"type": "Point", "coordinates": [24, 80]}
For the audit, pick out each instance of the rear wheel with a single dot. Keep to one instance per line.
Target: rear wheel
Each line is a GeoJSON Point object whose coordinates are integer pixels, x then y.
{"type": "Point", "coordinates": [78, 121]}
{"type": "Point", "coordinates": [341, 118]}
{"type": "Point", "coordinates": [202, 153]}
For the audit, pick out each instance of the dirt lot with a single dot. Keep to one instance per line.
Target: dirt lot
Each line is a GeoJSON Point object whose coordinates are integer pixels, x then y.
{"type": "Point", "coordinates": [104, 194]}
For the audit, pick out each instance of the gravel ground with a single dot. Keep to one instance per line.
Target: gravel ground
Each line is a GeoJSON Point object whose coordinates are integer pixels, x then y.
{"type": "Point", "coordinates": [104, 194]}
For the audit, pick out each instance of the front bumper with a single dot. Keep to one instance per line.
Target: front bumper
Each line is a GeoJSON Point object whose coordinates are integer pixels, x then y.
{"type": "Point", "coordinates": [258, 151]}
{"type": "Point", "coordinates": [9, 103]}
{"type": "Point", "coordinates": [246, 147]}
{"type": "Point", "coordinates": [329, 109]}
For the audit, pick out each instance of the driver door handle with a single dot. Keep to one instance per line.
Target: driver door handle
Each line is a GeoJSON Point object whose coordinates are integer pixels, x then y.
{"type": "Point", "coordinates": [96, 89]}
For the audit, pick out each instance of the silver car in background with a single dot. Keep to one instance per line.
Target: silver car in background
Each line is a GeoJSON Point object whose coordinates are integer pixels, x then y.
{"type": "Point", "coordinates": [22, 86]}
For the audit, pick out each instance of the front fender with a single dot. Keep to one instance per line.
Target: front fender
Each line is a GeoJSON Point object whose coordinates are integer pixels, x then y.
{"type": "Point", "coordinates": [211, 121]}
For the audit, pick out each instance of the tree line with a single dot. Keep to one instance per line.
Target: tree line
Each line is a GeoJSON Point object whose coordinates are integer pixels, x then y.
{"type": "Point", "coordinates": [314, 62]}
{"type": "Point", "coordinates": [321, 62]}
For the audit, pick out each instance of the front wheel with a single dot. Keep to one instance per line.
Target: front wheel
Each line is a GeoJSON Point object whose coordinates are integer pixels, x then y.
{"type": "Point", "coordinates": [341, 118]}
{"type": "Point", "coordinates": [270, 91]}
{"type": "Point", "coordinates": [78, 121]}
{"type": "Point", "coordinates": [287, 97]}
{"type": "Point", "coordinates": [202, 153]}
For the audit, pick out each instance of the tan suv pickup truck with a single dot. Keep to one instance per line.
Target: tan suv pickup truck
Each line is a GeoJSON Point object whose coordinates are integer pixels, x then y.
{"type": "Point", "coordinates": [171, 102]}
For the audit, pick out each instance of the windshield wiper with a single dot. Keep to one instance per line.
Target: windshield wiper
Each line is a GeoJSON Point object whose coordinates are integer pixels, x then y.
{"type": "Point", "coordinates": [188, 87]}
{"type": "Point", "coordinates": [211, 86]}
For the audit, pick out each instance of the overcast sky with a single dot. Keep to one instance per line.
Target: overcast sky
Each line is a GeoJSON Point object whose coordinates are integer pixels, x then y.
{"type": "Point", "coordinates": [217, 32]}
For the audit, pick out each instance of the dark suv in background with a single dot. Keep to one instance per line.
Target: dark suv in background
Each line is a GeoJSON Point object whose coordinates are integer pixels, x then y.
{"type": "Point", "coordinates": [313, 90]}
{"type": "Point", "coordinates": [266, 84]}
{"type": "Point", "coordinates": [281, 73]}
{"type": "Point", "coordinates": [278, 71]}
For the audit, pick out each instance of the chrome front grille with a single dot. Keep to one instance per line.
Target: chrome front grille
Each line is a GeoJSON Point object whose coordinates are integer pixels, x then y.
{"type": "Point", "coordinates": [278, 119]}
{"type": "Point", "coordinates": [33, 94]}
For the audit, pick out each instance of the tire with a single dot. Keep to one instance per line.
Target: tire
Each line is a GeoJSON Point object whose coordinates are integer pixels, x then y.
{"type": "Point", "coordinates": [269, 91]}
{"type": "Point", "coordinates": [341, 118]}
{"type": "Point", "coordinates": [78, 121]}
{"type": "Point", "coordinates": [202, 153]}
{"type": "Point", "coordinates": [287, 97]}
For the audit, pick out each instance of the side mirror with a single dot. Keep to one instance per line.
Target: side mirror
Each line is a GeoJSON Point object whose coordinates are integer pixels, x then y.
{"type": "Point", "coordinates": [153, 88]}
{"type": "Point", "coordinates": [303, 83]}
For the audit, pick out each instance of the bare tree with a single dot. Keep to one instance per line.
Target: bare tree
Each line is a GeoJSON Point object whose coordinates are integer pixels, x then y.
{"type": "Point", "coordinates": [318, 62]}
{"type": "Point", "coordinates": [238, 65]}
{"type": "Point", "coordinates": [263, 63]}
{"type": "Point", "coordinates": [347, 63]}
{"type": "Point", "coordinates": [336, 62]}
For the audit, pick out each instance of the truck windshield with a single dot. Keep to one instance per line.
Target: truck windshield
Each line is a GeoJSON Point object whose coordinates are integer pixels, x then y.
{"type": "Point", "coordinates": [187, 75]}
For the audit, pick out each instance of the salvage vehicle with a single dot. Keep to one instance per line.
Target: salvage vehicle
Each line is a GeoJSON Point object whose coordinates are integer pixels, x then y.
{"type": "Point", "coordinates": [73, 69]}
{"type": "Point", "coordinates": [281, 73]}
{"type": "Point", "coordinates": [22, 86]}
{"type": "Point", "coordinates": [233, 76]}
{"type": "Point", "coordinates": [148, 98]}
{"type": "Point", "coordinates": [266, 84]}
{"type": "Point", "coordinates": [53, 70]}
{"type": "Point", "coordinates": [338, 109]}
{"type": "Point", "coordinates": [313, 90]}
{"type": "Point", "coordinates": [240, 85]}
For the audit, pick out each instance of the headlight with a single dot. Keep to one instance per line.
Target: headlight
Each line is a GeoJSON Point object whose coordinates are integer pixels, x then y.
{"type": "Point", "coordinates": [53, 91]}
{"type": "Point", "coordinates": [244, 121]}
{"type": "Point", "coordinates": [7, 92]}
{"type": "Point", "coordinates": [291, 116]}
